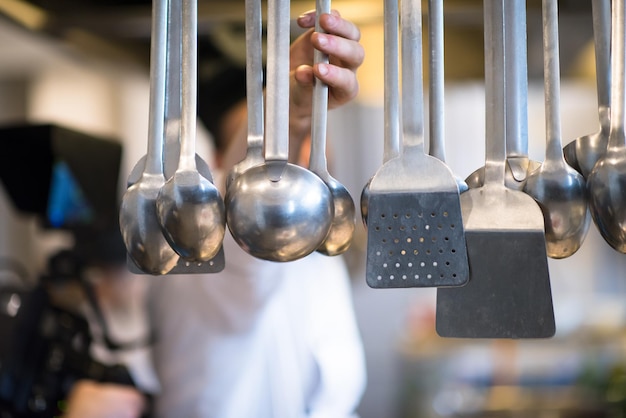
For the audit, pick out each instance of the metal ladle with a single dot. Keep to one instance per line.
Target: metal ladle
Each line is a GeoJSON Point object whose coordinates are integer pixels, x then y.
{"type": "Point", "coordinates": [391, 140]}
{"type": "Point", "coordinates": [141, 232]}
{"type": "Point", "coordinates": [190, 207]}
{"type": "Point", "coordinates": [559, 190]}
{"type": "Point", "coordinates": [518, 165]}
{"type": "Point", "coordinates": [278, 211]}
{"type": "Point", "coordinates": [607, 180]}
{"type": "Point", "coordinates": [254, 90]}
{"type": "Point", "coordinates": [583, 152]}
{"type": "Point", "coordinates": [342, 227]}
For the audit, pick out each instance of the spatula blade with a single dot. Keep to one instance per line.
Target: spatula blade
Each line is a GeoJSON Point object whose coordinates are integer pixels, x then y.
{"type": "Point", "coordinates": [508, 295]}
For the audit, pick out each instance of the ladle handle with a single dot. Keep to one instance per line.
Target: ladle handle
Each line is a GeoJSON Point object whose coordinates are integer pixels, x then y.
{"type": "Point", "coordinates": [319, 116]}
{"type": "Point", "coordinates": [189, 84]}
{"type": "Point", "coordinates": [277, 91]}
{"type": "Point", "coordinates": [391, 146]}
{"type": "Point", "coordinates": [495, 92]}
{"type": "Point", "coordinates": [551, 75]}
{"type": "Point", "coordinates": [172, 89]}
{"type": "Point", "coordinates": [436, 80]}
{"type": "Point", "coordinates": [618, 92]}
{"type": "Point", "coordinates": [601, 12]}
{"type": "Point", "coordinates": [412, 79]}
{"type": "Point", "coordinates": [154, 157]}
{"type": "Point", "coordinates": [516, 79]}
{"type": "Point", "coordinates": [254, 73]}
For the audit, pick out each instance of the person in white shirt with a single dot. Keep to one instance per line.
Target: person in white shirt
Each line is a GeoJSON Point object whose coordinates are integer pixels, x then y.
{"type": "Point", "coordinates": [259, 339]}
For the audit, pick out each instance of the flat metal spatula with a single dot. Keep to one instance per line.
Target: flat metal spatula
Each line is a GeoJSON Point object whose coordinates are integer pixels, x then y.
{"type": "Point", "coordinates": [509, 293]}
{"type": "Point", "coordinates": [415, 227]}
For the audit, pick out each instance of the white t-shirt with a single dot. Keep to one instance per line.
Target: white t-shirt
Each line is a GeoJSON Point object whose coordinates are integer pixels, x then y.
{"type": "Point", "coordinates": [258, 340]}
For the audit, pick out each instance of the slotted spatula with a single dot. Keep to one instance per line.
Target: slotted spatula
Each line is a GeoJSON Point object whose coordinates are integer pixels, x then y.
{"type": "Point", "coordinates": [508, 294]}
{"type": "Point", "coordinates": [415, 228]}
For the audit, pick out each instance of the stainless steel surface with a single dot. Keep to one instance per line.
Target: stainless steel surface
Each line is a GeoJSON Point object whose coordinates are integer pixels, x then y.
{"type": "Point", "coordinates": [518, 164]}
{"type": "Point", "coordinates": [142, 234]}
{"type": "Point", "coordinates": [583, 152]}
{"type": "Point", "coordinates": [415, 233]}
{"type": "Point", "coordinates": [190, 208]}
{"type": "Point", "coordinates": [391, 113]}
{"type": "Point", "coordinates": [342, 227]}
{"type": "Point", "coordinates": [508, 294]}
{"type": "Point", "coordinates": [558, 188]}
{"type": "Point", "coordinates": [278, 211]}
{"type": "Point", "coordinates": [254, 91]}
{"type": "Point", "coordinates": [607, 180]}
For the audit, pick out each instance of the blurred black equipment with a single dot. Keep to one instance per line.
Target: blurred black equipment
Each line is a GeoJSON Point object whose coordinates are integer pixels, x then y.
{"type": "Point", "coordinates": [72, 185]}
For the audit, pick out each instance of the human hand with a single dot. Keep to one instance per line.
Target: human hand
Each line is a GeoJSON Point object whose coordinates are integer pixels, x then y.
{"type": "Point", "coordinates": [345, 53]}
{"type": "Point", "coordinates": [89, 399]}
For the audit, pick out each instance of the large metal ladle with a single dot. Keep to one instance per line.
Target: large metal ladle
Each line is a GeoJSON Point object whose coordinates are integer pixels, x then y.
{"type": "Point", "coordinates": [559, 190]}
{"type": "Point", "coordinates": [342, 227]}
{"type": "Point", "coordinates": [190, 208]}
{"type": "Point", "coordinates": [278, 211]}
{"type": "Point", "coordinates": [583, 152]}
{"type": "Point", "coordinates": [254, 90]}
{"type": "Point", "coordinates": [141, 232]}
{"type": "Point", "coordinates": [607, 180]}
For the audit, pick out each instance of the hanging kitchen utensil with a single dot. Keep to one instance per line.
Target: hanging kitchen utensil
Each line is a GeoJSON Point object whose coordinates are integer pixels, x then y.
{"type": "Point", "coordinates": [391, 139]}
{"type": "Point", "coordinates": [508, 294]}
{"type": "Point", "coordinates": [559, 189]}
{"type": "Point", "coordinates": [436, 145]}
{"type": "Point", "coordinates": [607, 180]}
{"type": "Point", "coordinates": [583, 152]}
{"type": "Point", "coordinates": [415, 230]}
{"type": "Point", "coordinates": [278, 211]}
{"type": "Point", "coordinates": [141, 232]}
{"type": "Point", "coordinates": [190, 208]}
{"type": "Point", "coordinates": [171, 150]}
{"type": "Point", "coordinates": [518, 164]}
{"type": "Point", "coordinates": [254, 90]}
{"type": "Point", "coordinates": [341, 231]}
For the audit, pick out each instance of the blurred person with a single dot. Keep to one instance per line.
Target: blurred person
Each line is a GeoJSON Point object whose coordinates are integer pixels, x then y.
{"type": "Point", "coordinates": [259, 339]}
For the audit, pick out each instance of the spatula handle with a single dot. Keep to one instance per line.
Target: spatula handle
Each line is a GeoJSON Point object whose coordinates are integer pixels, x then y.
{"type": "Point", "coordinates": [495, 92]}
{"type": "Point", "coordinates": [391, 146]}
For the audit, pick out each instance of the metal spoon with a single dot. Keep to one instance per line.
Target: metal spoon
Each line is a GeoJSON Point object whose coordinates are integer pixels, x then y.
{"type": "Point", "coordinates": [142, 234]}
{"type": "Point", "coordinates": [190, 208]}
{"type": "Point", "coordinates": [341, 231]}
{"type": "Point", "coordinates": [518, 165]}
{"type": "Point", "coordinates": [278, 211]}
{"type": "Point", "coordinates": [607, 180]}
{"type": "Point", "coordinates": [391, 140]}
{"type": "Point", "coordinates": [583, 152]}
{"type": "Point", "coordinates": [436, 144]}
{"type": "Point", "coordinates": [254, 90]}
{"type": "Point", "coordinates": [558, 188]}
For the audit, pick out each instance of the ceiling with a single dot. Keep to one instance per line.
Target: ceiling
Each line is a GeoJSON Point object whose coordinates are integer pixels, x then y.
{"type": "Point", "coordinates": [123, 26]}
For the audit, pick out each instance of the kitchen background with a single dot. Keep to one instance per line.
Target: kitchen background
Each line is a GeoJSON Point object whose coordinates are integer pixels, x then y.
{"type": "Point", "coordinates": [85, 67]}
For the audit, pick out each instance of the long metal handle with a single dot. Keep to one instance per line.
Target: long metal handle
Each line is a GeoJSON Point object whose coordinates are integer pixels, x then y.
{"type": "Point", "coordinates": [154, 157]}
{"type": "Point", "coordinates": [516, 79]}
{"type": "Point", "coordinates": [618, 83]}
{"type": "Point", "coordinates": [495, 92]}
{"type": "Point", "coordinates": [601, 11]}
{"type": "Point", "coordinates": [412, 78]}
{"type": "Point", "coordinates": [551, 70]}
{"type": "Point", "coordinates": [189, 84]}
{"type": "Point", "coordinates": [436, 80]}
{"type": "Point", "coordinates": [277, 91]}
{"type": "Point", "coordinates": [254, 73]}
{"type": "Point", "coordinates": [319, 116]}
{"type": "Point", "coordinates": [391, 146]}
